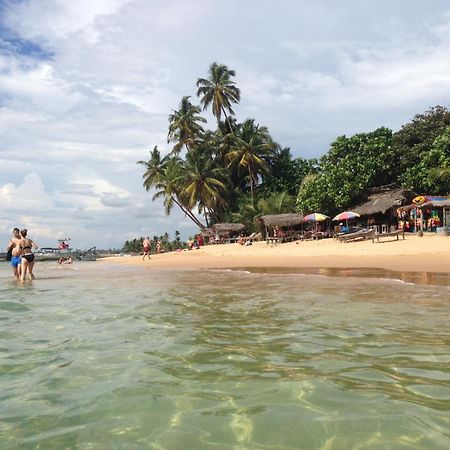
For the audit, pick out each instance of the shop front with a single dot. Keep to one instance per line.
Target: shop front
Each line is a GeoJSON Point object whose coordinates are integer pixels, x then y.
{"type": "Point", "coordinates": [426, 213]}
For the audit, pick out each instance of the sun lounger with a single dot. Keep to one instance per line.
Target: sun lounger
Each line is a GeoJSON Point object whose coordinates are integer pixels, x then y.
{"type": "Point", "coordinates": [396, 233]}
{"type": "Point", "coordinates": [357, 236]}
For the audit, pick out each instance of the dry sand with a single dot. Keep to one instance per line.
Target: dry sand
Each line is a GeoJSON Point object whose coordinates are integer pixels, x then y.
{"type": "Point", "coordinates": [430, 253]}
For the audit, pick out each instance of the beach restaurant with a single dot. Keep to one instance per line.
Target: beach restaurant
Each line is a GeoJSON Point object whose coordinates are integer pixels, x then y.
{"type": "Point", "coordinates": [379, 211]}
{"type": "Point", "coordinates": [426, 213]}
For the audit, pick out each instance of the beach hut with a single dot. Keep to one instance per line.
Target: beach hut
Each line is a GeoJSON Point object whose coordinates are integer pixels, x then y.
{"type": "Point", "coordinates": [227, 232]}
{"type": "Point", "coordinates": [273, 224]}
{"type": "Point", "coordinates": [379, 211]}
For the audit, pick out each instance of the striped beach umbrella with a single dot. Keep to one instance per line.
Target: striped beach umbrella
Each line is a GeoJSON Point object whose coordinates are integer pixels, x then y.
{"type": "Point", "coordinates": [346, 215]}
{"type": "Point", "coordinates": [315, 217]}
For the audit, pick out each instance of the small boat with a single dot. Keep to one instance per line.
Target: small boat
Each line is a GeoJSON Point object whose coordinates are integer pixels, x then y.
{"type": "Point", "coordinates": [63, 251]}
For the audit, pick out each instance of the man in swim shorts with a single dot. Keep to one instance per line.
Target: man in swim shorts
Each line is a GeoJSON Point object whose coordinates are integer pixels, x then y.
{"type": "Point", "coordinates": [15, 251]}
{"type": "Point", "coordinates": [146, 245]}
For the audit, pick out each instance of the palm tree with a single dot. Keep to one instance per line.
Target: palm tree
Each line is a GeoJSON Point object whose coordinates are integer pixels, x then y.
{"type": "Point", "coordinates": [155, 168]}
{"type": "Point", "coordinates": [277, 203]}
{"type": "Point", "coordinates": [248, 151]}
{"type": "Point", "coordinates": [185, 125]}
{"type": "Point", "coordinates": [219, 91]}
{"type": "Point", "coordinates": [162, 174]}
{"type": "Point", "coordinates": [171, 190]}
{"type": "Point", "coordinates": [204, 184]}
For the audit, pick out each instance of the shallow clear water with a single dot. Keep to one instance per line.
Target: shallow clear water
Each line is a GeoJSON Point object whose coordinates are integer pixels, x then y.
{"type": "Point", "coordinates": [98, 357]}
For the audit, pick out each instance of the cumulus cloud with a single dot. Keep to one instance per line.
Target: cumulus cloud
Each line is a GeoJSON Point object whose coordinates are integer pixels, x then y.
{"type": "Point", "coordinates": [86, 88]}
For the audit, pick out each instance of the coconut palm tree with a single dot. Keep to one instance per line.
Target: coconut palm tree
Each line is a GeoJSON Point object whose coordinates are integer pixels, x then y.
{"type": "Point", "coordinates": [204, 184]}
{"type": "Point", "coordinates": [171, 190]}
{"type": "Point", "coordinates": [219, 91]}
{"type": "Point", "coordinates": [185, 125]}
{"type": "Point", "coordinates": [162, 174]}
{"type": "Point", "coordinates": [248, 151]}
{"type": "Point", "coordinates": [277, 203]}
{"type": "Point", "coordinates": [155, 168]}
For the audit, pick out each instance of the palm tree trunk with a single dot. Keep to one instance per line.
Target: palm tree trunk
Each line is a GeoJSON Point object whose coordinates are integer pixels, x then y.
{"type": "Point", "coordinates": [189, 214]}
{"type": "Point", "coordinates": [227, 120]}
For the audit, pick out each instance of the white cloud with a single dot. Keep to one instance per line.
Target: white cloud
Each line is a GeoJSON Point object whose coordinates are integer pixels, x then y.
{"type": "Point", "coordinates": [93, 96]}
{"type": "Point", "coordinates": [30, 194]}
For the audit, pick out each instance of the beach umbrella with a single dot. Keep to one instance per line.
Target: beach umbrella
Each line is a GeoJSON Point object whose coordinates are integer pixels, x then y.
{"type": "Point", "coordinates": [346, 215]}
{"type": "Point", "coordinates": [316, 217]}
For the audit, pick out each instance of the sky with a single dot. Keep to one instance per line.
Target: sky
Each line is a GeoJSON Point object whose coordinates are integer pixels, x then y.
{"type": "Point", "coordinates": [86, 89]}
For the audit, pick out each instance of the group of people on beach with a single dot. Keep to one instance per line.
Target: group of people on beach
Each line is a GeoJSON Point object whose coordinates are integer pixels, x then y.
{"type": "Point", "coordinates": [19, 253]}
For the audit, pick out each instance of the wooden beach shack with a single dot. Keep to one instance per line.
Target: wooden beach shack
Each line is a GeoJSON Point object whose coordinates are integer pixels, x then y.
{"type": "Point", "coordinates": [281, 227]}
{"type": "Point", "coordinates": [221, 233]}
{"type": "Point", "coordinates": [379, 211]}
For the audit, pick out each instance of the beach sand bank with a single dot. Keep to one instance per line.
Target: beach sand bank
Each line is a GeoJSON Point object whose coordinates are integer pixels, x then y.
{"type": "Point", "coordinates": [430, 253]}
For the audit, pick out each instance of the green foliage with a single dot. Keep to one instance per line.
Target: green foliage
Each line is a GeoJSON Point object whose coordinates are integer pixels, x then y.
{"type": "Point", "coordinates": [168, 245]}
{"type": "Point", "coordinates": [348, 170]}
{"type": "Point", "coordinates": [133, 246]}
{"type": "Point", "coordinates": [415, 139]}
{"type": "Point", "coordinates": [286, 174]}
{"type": "Point", "coordinates": [424, 147]}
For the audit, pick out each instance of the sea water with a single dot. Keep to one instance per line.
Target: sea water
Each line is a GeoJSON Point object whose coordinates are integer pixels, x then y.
{"type": "Point", "coordinates": [94, 356]}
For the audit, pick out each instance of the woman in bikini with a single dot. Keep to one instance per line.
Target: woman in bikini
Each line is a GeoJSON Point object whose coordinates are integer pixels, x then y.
{"type": "Point", "coordinates": [27, 262]}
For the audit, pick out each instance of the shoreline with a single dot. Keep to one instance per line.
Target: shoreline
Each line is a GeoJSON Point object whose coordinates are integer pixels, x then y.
{"type": "Point", "coordinates": [427, 254]}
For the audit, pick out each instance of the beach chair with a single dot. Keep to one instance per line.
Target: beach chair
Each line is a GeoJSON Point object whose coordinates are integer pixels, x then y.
{"type": "Point", "coordinates": [357, 236]}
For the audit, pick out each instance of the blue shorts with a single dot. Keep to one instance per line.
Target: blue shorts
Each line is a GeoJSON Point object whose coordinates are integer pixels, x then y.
{"type": "Point", "coordinates": [15, 261]}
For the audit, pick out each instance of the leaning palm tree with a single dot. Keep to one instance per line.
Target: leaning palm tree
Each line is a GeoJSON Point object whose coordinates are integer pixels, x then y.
{"type": "Point", "coordinates": [219, 91]}
{"type": "Point", "coordinates": [185, 125]}
{"type": "Point", "coordinates": [171, 190]}
{"type": "Point", "coordinates": [248, 152]}
{"type": "Point", "coordinates": [204, 184]}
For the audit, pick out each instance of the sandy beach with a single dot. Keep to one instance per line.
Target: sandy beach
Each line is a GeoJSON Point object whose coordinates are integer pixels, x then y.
{"type": "Point", "coordinates": [430, 253]}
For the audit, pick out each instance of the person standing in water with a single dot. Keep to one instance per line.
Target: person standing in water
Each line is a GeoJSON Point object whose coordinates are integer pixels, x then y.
{"type": "Point", "coordinates": [146, 245]}
{"type": "Point", "coordinates": [14, 252]}
{"type": "Point", "coordinates": [27, 263]}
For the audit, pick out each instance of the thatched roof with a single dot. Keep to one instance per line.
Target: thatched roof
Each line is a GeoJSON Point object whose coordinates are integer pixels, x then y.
{"type": "Point", "coordinates": [436, 203]}
{"type": "Point", "coordinates": [282, 220]}
{"type": "Point", "coordinates": [228, 227]}
{"type": "Point", "coordinates": [382, 200]}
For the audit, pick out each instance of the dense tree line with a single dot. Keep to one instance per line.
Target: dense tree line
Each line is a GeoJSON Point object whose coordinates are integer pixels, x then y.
{"type": "Point", "coordinates": [168, 245]}
{"type": "Point", "coordinates": [237, 172]}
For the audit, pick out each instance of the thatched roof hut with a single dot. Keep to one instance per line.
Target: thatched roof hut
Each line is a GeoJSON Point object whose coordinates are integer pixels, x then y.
{"type": "Point", "coordinates": [223, 228]}
{"type": "Point", "coordinates": [384, 198]}
{"type": "Point", "coordinates": [282, 220]}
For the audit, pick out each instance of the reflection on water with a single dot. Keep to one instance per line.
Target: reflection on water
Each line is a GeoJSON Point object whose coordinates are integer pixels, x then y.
{"type": "Point", "coordinates": [105, 357]}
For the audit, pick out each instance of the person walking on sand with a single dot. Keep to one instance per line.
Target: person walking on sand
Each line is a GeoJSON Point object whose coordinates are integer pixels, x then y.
{"type": "Point", "coordinates": [146, 245]}
{"type": "Point", "coordinates": [14, 252]}
{"type": "Point", "coordinates": [158, 246]}
{"type": "Point", "coordinates": [27, 263]}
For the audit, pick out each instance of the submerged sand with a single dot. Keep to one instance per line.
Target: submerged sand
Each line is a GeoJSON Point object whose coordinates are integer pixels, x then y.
{"type": "Point", "coordinates": [430, 253]}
